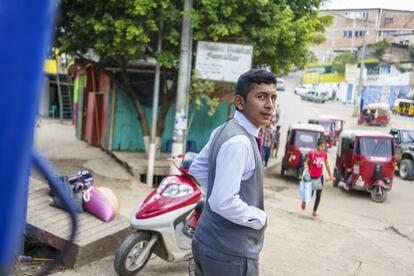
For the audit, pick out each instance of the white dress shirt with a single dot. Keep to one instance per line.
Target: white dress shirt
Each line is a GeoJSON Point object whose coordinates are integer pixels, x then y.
{"type": "Point", "coordinates": [235, 162]}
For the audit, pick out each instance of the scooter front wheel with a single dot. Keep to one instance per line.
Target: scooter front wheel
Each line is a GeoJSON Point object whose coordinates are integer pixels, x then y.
{"type": "Point", "coordinates": [134, 253]}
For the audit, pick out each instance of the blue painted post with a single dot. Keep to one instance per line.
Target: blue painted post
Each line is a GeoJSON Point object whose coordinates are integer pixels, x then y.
{"type": "Point", "coordinates": [25, 28]}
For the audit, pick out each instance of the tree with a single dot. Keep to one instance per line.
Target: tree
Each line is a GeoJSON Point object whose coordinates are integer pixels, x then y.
{"type": "Point", "coordinates": [311, 58]}
{"type": "Point", "coordinates": [379, 48]}
{"type": "Point", "coordinates": [121, 32]}
{"type": "Point", "coordinates": [341, 60]}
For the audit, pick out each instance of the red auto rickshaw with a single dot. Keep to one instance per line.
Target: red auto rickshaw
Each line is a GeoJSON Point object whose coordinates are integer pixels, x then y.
{"type": "Point", "coordinates": [301, 139]}
{"type": "Point", "coordinates": [375, 114]}
{"type": "Point", "coordinates": [365, 161]}
{"type": "Point", "coordinates": [329, 127]}
{"type": "Point", "coordinates": [339, 126]}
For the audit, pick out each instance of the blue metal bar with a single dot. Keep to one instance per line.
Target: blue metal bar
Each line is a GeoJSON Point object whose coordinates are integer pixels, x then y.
{"type": "Point", "coordinates": [46, 169]}
{"type": "Point", "coordinates": [25, 28]}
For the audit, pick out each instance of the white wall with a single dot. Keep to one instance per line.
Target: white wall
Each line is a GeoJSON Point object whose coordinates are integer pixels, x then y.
{"type": "Point", "coordinates": [43, 110]}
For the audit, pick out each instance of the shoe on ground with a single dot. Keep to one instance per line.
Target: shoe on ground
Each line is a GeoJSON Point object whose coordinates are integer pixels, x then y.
{"type": "Point", "coordinates": [315, 214]}
{"type": "Point", "coordinates": [303, 205]}
{"type": "Point", "coordinates": [346, 188]}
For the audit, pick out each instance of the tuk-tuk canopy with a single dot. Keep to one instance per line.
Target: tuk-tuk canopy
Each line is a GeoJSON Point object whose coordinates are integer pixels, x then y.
{"type": "Point", "coordinates": [330, 117]}
{"type": "Point", "coordinates": [379, 106]}
{"type": "Point", "coordinates": [327, 124]}
{"type": "Point", "coordinates": [308, 127]}
{"type": "Point", "coordinates": [398, 101]}
{"type": "Point", "coordinates": [351, 133]}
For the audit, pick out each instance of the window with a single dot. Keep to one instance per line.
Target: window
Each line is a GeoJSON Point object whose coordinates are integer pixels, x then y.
{"type": "Point", "coordinates": [350, 14]}
{"type": "Point", "coordinates": [385, 69]}
{"type": "Point", "coordinates": [347, 34]}
{"type": "Point", "coordinates": [388, 33]}
{"type": "Point", "coordinates": [347, 144]}
{"type": "Point", "coordinates": [305, 139]}
{"type": "Point", "coordinates": [407, 136]}
{"type": "Point", "coordinates": [358, 15]}
{"type": "Point", "coordinates": [378, 147]}
{"type": "Point", "coordinates": [372, 68]}
{"type": "Point", "coordinates": [388, 20]}
{"type": "Point", "coordinates": [359, 33]}
{"type": "Point", "coordinates": [327, 126]}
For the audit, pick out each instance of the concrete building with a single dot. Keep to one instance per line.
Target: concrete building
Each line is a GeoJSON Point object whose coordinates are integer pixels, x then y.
{"type": "Point", "coordinates": [352, 27]}
{"type": "Point", "coordinates": [382, 81]}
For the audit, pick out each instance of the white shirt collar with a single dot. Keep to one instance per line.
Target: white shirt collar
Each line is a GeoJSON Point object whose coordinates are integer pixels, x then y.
{"type": "Point", "coordinates": [246, 124]}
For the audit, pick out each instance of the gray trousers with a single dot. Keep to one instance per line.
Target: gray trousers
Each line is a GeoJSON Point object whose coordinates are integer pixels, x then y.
{"type": "Point", "coordinates": [209, 262]}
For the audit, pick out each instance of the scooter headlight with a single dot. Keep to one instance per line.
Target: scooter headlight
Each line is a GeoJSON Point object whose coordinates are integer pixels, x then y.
{"type": "Point", "coordinates": [177, 190]}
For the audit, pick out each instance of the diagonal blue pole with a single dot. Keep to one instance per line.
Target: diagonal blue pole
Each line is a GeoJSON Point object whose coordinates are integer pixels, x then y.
{"type": "Point", "coordinates": [25, 30]}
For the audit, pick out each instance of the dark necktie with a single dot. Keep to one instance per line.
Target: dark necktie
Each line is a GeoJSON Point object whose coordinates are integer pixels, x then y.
{"type": "Point", "coordinates": [259, 143]}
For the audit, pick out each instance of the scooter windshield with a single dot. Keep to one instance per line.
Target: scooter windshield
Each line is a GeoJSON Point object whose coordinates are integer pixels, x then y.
{"type": "Point", "coordinates": [376, 147]}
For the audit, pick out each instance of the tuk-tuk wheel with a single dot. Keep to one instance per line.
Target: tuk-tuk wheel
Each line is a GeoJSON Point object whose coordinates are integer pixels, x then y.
{"type": "Point", "coordinates": [406, 169]}
{"type": "Point", "coordinates": [336, 181]}
{"type": "Point", "coordinates": [378, 194]}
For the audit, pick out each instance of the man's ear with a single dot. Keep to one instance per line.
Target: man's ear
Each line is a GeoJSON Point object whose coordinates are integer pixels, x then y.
{"type": "Point", "coordinates": [239, 102]}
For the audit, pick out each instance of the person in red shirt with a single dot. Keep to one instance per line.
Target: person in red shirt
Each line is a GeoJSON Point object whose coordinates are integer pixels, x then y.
{"type": "Point", "coordinates": [314, 165]}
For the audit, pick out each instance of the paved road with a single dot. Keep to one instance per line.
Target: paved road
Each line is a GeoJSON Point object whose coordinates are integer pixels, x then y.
{"type": "Point", "coordinates": [352, 236]}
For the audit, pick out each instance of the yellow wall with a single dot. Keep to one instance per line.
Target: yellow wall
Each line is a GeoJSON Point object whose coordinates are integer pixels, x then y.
{"type": "Point", "coordinates": [316, 77]}
{"type": "Point", "coordinates": [50, 66]}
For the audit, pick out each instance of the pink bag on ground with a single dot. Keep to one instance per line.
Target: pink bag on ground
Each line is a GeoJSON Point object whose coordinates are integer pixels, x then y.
{"type": "Point", "coordinates": [111, 197]}
{"type": "Point", "coordinates": [95, 203]}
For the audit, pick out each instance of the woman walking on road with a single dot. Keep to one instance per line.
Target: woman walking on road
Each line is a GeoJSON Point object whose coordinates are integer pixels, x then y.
{"type": "Point", "coordinates": [314, 165]}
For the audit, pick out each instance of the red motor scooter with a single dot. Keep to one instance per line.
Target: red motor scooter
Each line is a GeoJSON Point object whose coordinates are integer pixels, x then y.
{"type": "Point", "coordinates": [165, 222]}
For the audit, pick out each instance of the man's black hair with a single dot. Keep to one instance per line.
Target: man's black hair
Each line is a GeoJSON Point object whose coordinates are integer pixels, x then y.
{"type": "Point", "coordinates": [254, 76]}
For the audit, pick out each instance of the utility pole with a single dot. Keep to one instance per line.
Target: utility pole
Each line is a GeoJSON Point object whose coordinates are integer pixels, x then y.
{"type": "Point", "coordinates": [358, 92]}
{"type": "Point", "coordinates": [153, 143]}
{"type": "Point", "coordinates": [180, 125]}
{"type": "Point", "coordinates": [187, 101]}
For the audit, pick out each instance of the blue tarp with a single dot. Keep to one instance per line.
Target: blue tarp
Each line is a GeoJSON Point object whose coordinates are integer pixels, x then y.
{"type": "Point", "coordinates": [385, 94]}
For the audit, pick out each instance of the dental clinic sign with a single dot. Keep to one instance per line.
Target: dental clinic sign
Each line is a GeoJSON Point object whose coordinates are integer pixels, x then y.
{"type": "Point", "coordinates": [222, 61]}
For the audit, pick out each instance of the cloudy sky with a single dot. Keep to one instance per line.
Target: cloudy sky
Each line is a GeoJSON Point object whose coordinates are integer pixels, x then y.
{"type": "Point", "coordinates": [366, 4]}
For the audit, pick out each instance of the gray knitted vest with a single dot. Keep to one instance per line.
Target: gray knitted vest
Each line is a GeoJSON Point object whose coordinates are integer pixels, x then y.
{"type": "Point", "coordinates": [219, 233]}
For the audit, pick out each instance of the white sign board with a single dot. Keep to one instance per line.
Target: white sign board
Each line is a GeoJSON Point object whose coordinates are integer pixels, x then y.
{"type": "Point", "coordinates": [351, 72]}
{"type": "Point", "coordinates": [222, 61]}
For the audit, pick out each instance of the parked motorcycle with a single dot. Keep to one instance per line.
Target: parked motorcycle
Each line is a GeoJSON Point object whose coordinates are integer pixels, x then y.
{"type": "Point", "coordinates": [165, 222]}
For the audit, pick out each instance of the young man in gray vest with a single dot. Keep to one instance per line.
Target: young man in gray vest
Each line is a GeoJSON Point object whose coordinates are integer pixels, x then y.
{"type": "Point", "coordinates": [229, 234]}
